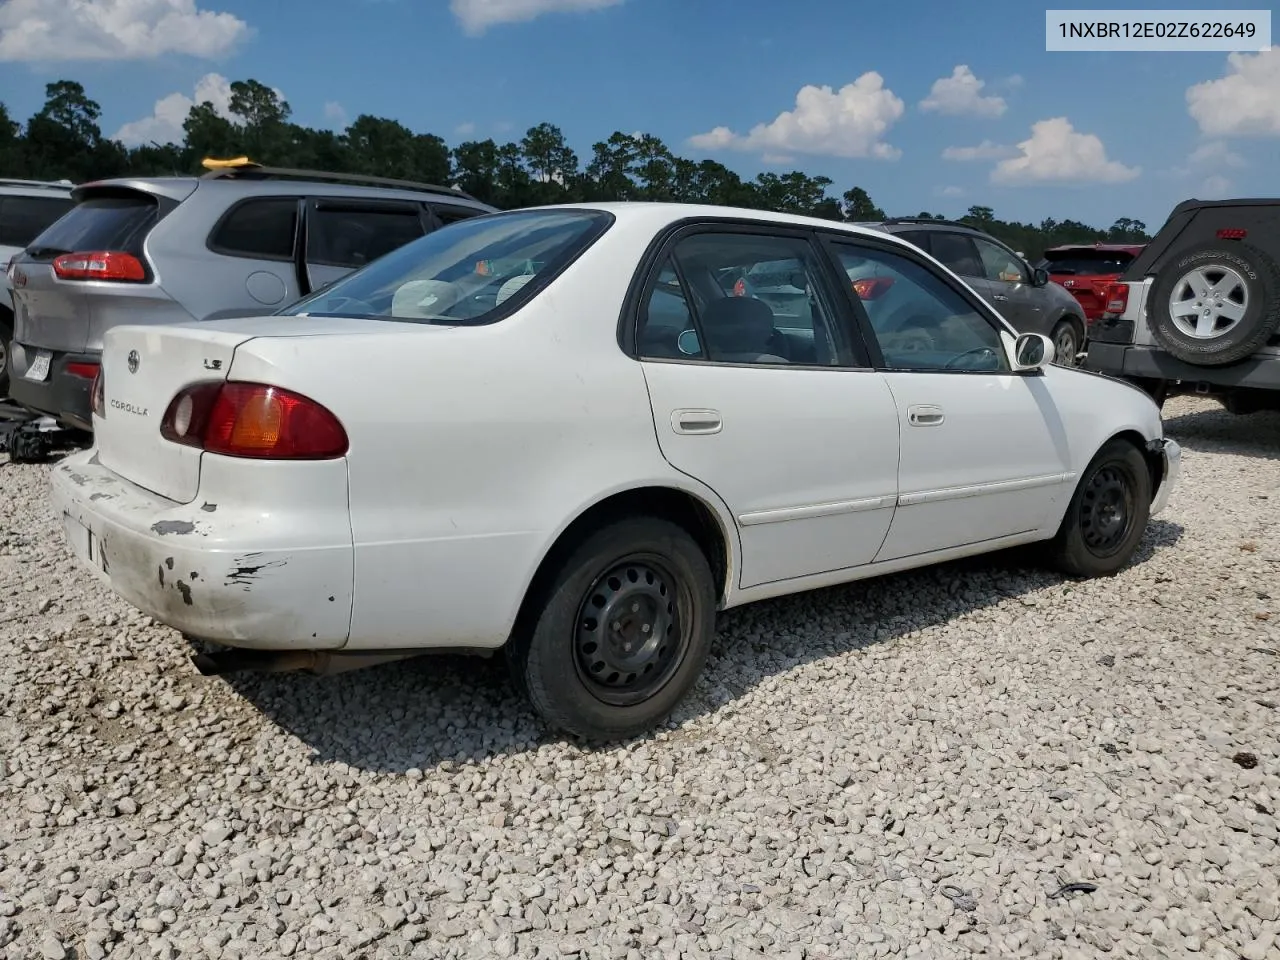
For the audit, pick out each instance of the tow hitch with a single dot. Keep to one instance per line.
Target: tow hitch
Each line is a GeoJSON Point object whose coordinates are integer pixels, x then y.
{"type": "Point", "coordinates": [30, 438]}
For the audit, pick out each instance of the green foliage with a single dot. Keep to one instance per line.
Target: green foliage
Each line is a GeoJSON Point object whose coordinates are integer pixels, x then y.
{"type": "Point", "coordinates": [64, 139]}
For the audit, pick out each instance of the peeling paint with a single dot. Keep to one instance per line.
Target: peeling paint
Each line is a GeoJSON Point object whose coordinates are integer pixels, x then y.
{"type": "Point", "coordinates": [79, 479]}
{"type": "Point", "coordinates": [194, 575]}
{"type": "Point", "coordinates": [247, 569]}
{"type": "Point", "coordinates": [208, 507]}
{"type": "Point", "coordinates": [160, 574]}
{"type": "Point", "coordinates": [185, 591]}
{"type": "Point", "coordinates": [100, 496]}
{"type": "Point", "coordinates": [168, 562]}
{"type": "Point", "coordinates": [179, 527]}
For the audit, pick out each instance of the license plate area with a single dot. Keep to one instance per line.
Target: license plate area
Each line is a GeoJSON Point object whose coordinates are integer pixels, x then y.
{"type": "Point", "coordinates": [85, 543]}
{"type": "Point", "coordinates": [39, 369]}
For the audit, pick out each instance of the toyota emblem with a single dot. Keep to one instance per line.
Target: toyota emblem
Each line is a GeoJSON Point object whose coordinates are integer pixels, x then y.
{"type": "Point", "coordinates": [133, 361]}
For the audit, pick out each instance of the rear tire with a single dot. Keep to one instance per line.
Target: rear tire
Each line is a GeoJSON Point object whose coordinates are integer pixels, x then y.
{"type": "Point", "coordinates": [1216, 305]}
{"type": "Point", "coordinates": [621, 632]}
{"type": "Point", "coordinates": [1107, 517]}
{"type": "Point", "coordinates": [6, 335]}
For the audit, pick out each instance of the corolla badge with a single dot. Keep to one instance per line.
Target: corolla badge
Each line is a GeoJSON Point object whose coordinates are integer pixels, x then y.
{"type": "Point", "coordinates": [133, 361]}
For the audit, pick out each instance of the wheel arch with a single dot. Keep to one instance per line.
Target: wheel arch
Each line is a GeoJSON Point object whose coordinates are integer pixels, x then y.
{"type": "Point", "coordinates": [707, 522]}
{"type": "Point", "coordinates": [1153, 458]}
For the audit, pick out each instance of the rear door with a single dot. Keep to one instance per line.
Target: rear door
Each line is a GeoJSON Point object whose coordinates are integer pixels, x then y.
{"type": "Point", "coordinates": [344, 234]}
{"type": "Point", "coordinates": [54, 314]}
{"type": "Point", "coordinates": [256, 269]}
{"type": "Point", "coordinates": [959, 253]}
{"type": "Point", "coordinates": [799, 439]}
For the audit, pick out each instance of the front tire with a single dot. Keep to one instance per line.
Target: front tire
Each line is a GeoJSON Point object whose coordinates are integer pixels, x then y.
{"type": "Point", "coordinates": [622, 632]}
{"type": "Point", "coordinates": [1107, 516]}
{"type": "Point", "coordinates": [6, 335]}
{"type": "Point", "coordinates": [1066, 344]}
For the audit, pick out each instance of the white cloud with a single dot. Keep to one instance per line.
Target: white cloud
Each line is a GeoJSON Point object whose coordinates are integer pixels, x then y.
{"type": "Point", "coordinates": [1056, 153]}
{"type": "Point", "coordinates": [1243, 102]}
{"type": "Point", "coordinates": [1215, 188]}
{"type": "Point", "coordinates": [62, 30]}
{"type": "Point", "coordinates": [848, 122]}
{"type": "Point", "coordinates": [477, 16]}
{"type": "Point", "coordinates": [776, 158]}
{"type": "Point", "coordinates": [335, 113]}
{"type": "Point", "coordinates": [951, 192]}
{"type": "Point", "coordinates": [165, 123]}
{"type": "Point", "coordinates": [986, 150]}
{"type": "Point", "coordinates": [961, 95]}
{"type": "Point", "coordinates": [1215, 153]}
{"type": "Point", "coordinates": [465, 129]}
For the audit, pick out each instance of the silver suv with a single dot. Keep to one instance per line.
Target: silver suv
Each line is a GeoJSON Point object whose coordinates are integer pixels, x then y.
{"type": "Point", "coordinates": [26, 208]}
{"type": "Point", "coordinates": [237, 241]}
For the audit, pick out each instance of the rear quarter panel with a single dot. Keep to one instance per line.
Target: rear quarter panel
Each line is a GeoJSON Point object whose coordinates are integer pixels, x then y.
{"type": "Point", "coordinates": [473, 448]}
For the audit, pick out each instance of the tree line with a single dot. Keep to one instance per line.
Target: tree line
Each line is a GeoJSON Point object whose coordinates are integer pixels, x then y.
{"type": "Point", "coordinates": [63, 140]}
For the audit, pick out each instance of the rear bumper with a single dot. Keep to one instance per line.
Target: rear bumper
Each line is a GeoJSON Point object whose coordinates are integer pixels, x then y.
{"type": "Point", "coordinates": [243, 576]}
{"type": "Point", "coordinates": [61, 395]}
{"type": "Point", "coordinates": [1171, 454]}
{"type": "Point", "coordinates": [1135, 361]}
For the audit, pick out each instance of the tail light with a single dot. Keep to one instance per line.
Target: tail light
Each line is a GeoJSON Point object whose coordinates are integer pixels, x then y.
{"type": "Point", "coordinates": [99, 265]}
{"type": "Point", "coordinates": [1117, 295]}
{"type": "Point", "coordinates": [740, 288]}
{"type": "Point", "coordinates": [238, 419]}
{"type": "Point", "coordinates": [872, 287]}
{"type": "Point", "coordinates": [1233, 233]}
{"type": "Point", "coordinates": [98, 396]}
{"type": "Point", "coordinates": [87, 371]}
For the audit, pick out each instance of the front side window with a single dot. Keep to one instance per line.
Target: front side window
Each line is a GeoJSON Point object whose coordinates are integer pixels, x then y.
{"type": "Point", "coordinates": [957, 251]}
{"type": "Point", "coordinates": [463, 274]}
{"type": "Point", "coordinates": [919, 321]}
{"type": "Point", "coordinates": [739, 298]}
{"type": "Point", "coordinates": [999, 263]}
{"type": "Point", "coordinates": [350, 236]}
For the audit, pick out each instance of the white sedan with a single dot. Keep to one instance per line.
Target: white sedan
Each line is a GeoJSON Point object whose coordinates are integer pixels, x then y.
{"type": "Point", "coordinates": [571, 433]}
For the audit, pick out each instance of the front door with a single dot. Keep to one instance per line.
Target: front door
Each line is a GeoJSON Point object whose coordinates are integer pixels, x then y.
{"type": "Point", "coordinates": [983, 453]}
{"type": "Point", "coordinates": [775, 414]}
{"type": "Point", "coordinates": [1009, 280]}
{"type": "Point", "coordinates": [343, 235]}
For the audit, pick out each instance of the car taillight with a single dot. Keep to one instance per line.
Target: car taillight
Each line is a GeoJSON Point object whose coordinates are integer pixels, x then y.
{"type": "Point", "coordinates": [872, 287]}
{"type": "Point", "coordinates": [99, 265]}
{"type": "Point", "coordinates": [1233, 233]}
{"type": "Point", "coordinates": [98, 395]}
{"type": "Point", "coordinates": [1117, 298]}
{"type": "Point", "coordinates": [740, 288]}
{"type": "Point", "coordinates": [85, 370]}
{"type": "Point", "coordinates": [238, 419]}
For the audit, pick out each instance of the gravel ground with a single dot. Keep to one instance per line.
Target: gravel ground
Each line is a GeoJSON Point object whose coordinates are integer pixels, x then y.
{"type": "Point", "coordinates": [911, 767]}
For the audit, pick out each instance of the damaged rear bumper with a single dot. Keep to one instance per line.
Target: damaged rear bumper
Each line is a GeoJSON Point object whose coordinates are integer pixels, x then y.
{"type": "Point", "coordinates": [246, 576]}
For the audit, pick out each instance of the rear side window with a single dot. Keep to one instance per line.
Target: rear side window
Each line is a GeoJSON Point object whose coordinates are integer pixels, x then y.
{"type": "Point", "coordinates": [450, 215]}
{"type": "Point", "coordinates": [342, 235]}
{"type": "Point", "coordinates": [113, 222]}
{"type": "Point", "coordinates": [262, 229]}
{"type": "Point", "coordinates": [474, 272]}
{"type": "Point", "coordinates": [919, 238]}
{"type": "Point", "coordinates": [957, 252]}
{"type": "Point", "coordinates": [22, 219]}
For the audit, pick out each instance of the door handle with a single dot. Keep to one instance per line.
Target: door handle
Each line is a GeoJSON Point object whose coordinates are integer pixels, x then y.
{"type": "Point", "coordinates": [925, 415]}
{"type": "Point", "coordinates": [696, 421]}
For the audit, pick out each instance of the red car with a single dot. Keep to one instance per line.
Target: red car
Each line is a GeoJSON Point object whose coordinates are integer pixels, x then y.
{"type": "Point", "coordinates": [1088, 269]}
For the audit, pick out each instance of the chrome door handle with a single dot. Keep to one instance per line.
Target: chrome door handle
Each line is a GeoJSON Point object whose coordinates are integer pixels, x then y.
{"type": "Point", "coordinates": [925, 415]}
{"type": "Point", "coordinates": [696, 422]}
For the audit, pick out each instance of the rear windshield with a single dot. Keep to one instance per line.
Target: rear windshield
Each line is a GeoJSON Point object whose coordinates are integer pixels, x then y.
{"type": "Point", "coordinates": [464, 272]}
{"type": "Point", "coordinates": [22, 218]}
{"type": "Point", "coordinates": [1076, 263]}
{"type": "Point", "coordinates": [117, 223]}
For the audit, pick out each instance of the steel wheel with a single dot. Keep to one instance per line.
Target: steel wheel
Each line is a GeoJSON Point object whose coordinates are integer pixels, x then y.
{"type": "Point", "coordinates": [1208, 302]}
{"type": "Point", "coordinates": [630, 637]}
{"type": "Point", "coordinates": [1107, 513]}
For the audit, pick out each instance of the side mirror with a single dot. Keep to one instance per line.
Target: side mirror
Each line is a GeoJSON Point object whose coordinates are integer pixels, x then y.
{"type": "Point", "coordinates": [1039, 277]}
{"type": "Point", "coordinates": [1031, 352]}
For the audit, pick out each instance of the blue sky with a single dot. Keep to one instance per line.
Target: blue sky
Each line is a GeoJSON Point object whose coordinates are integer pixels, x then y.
{"type": "Point", "coordinates": [830, 87]}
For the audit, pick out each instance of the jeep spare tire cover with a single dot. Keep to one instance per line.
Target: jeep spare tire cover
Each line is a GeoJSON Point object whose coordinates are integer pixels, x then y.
{"type": "Point", "coordinates": [1215, 304]}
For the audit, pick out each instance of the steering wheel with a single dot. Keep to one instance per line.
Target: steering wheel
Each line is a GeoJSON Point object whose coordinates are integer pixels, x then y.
{"type": "Point", "coordinates": [975, 351]}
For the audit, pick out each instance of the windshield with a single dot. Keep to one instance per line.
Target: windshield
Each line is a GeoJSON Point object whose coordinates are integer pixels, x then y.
{"type": "Point", "coordinates": [1077, 264]}
{"type": "Point", "coordinates": [464, 272]}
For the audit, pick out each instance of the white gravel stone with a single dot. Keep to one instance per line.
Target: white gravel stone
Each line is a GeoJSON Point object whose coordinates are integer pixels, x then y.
{"type": "Point", "coordinates": [984, 727]}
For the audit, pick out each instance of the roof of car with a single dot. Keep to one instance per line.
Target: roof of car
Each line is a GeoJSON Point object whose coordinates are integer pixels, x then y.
{"type": "Point", "coordinates": [1132, 248]}
{"type": "Point", "coordinates": [35, 188]}
{"type": "Point", "coordinates": [179, 188]}
{"type": "Point", "coordinates": [653, 210]}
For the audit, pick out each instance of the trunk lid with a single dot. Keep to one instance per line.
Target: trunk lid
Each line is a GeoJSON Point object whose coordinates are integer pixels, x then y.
{"type": "Point", "coordinates": [144, 368]}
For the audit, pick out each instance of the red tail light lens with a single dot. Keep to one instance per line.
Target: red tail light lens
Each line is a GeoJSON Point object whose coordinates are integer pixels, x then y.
{"type": "Point", "coordinates": [872, 287]}
{"type": "Point", "coordinates": [1233, 233]}
{"type": "Point", "coordinates": [86, 370]}
{"type": "Point", "coordinates": [98, 396]}
{"type": "Point", "coordinates": [740, 288]}
{"type": "Point", "coordinates": [1117, 298]}
{"type": "Point", "coordinates": [100, 265]}
{"type": "Point", "coordinates": [254, 420]}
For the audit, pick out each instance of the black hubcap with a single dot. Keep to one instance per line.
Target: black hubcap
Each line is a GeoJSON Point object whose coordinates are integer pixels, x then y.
{"type": "Point", "coordinates": [1106, 510]}
{"type": "Point", "coordinates": [629, 639]}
